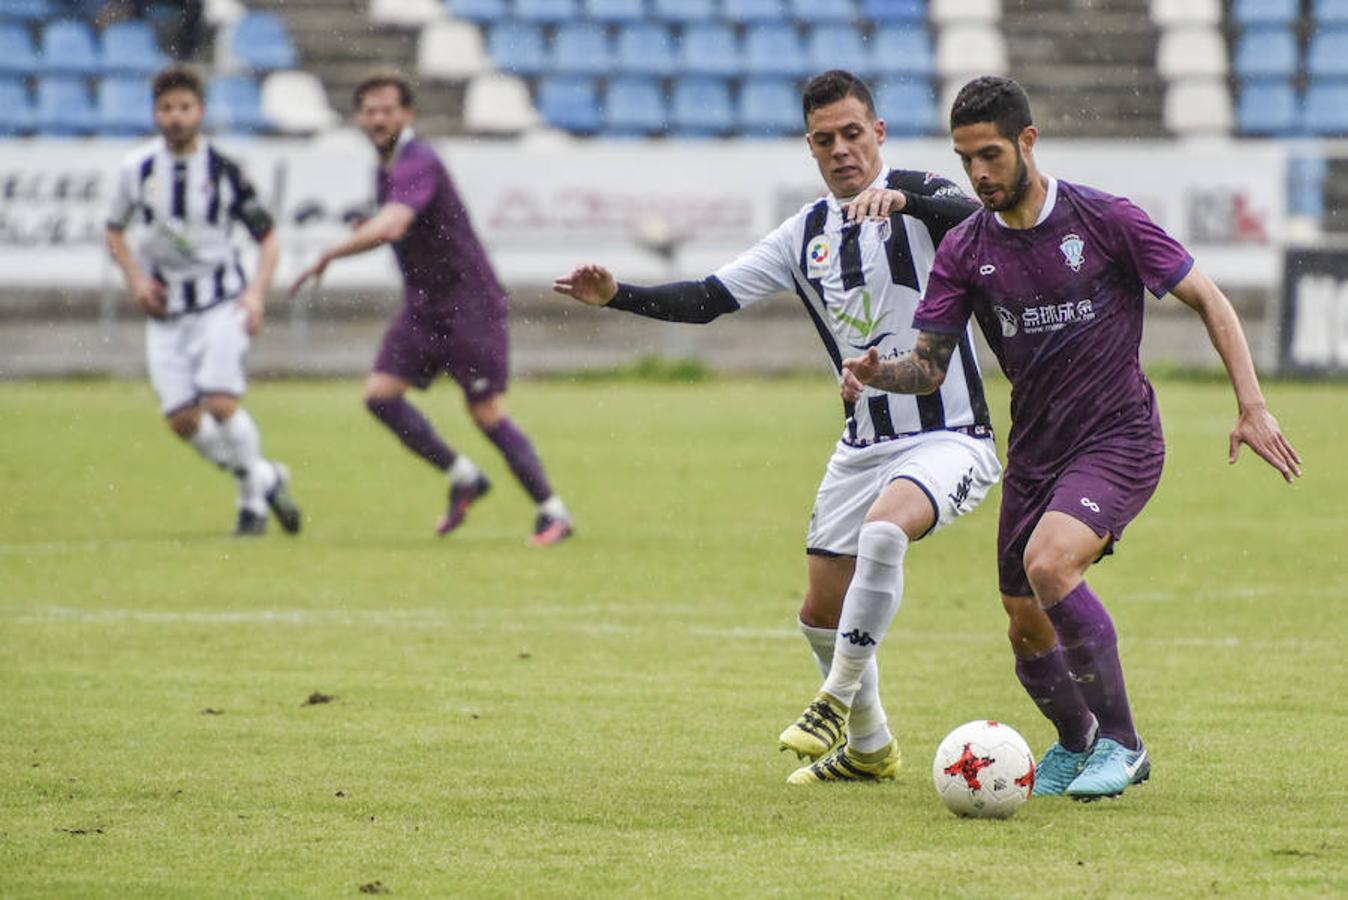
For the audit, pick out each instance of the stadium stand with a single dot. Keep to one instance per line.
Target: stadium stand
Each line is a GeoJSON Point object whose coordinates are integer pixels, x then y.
{"type": "Point", "coordinates": [634, 106]}
{"type": "Point", "coordinates": [18, 56]}
{"type": "Point", "coordinates": [124, 106]}
{"type": "Point", "coordinates": [63, 107]}
{"type": "Point", "coordinates": [234, 104]}
{"type": "Point", "coordinates": [17, 116]}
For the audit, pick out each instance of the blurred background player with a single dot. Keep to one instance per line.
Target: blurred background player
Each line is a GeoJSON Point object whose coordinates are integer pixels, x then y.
{"type": "Point", "coordinates": [903, 468]}
{"type": "Point", "coordinates": [453, 317]}
{"type": "Point", "coordinates": [185, 197]}
{"type": "Point", "coordinates": [1054, 273]}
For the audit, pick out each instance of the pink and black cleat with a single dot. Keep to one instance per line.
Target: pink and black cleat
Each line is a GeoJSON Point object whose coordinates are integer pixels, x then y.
{"type": "Point", "coordinates": [549, 530]}
{"type": "Point", "coordinates": [461, 496]}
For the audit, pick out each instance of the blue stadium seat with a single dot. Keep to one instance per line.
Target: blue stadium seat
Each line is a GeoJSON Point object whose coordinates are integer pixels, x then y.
{"type": "Point", "coordinates": [774, 49]}
{"type": "Point", "coordinates": [610, 11]}
{"type": "Point", "coordinates": [480, 11]}
{"type": "Point", "coordinates": [1267, 108]}
{"type": "Point", "coordinates": [645, 49]}
{"type": "Point", "coordinates": [234, 104]}
{"type": "Point", "coordinates": [1306, 186]}
{"type": "Point", "coordinates": [750, 11]}
{"type": "Point", "coordinates": [902, 50]}
{"type": "Point", "coordinates": [570, 103]}
{"type": "Point", "coordinates": [684, 11]}
{"type": "Point", "coordinates": [125, 106]}
{"type": "Point", "coordinates": [709, 49]}
{"type": "Point", "coordinates": [518, 48]}
{"type": "Point", "coordinates": [16, 109]}
{"type": "Point", "coordinates": [769, 107]}
{"type": "Point", "coordinates": [838, 47]}
{"type": "Point", "coordinates": [1328, 54]}
{"type": "Point", "coordinates": [634, 106]}
{"type": "Point", "coordinates": [1265, 53]}
{"type": "Point", "coordinates": [1325, 111]}
{"type": "Point", "coordinates": [891, 11]}
{"type": "Point", "coordinates": [581, 48]}
{"type": "Point", "coordinates": [28, 10]}
{"type": "Point", "coordinates": [260, 42]}
{"type": "Point", "coordinates": [63, 106]}
{"type": "Point", "coordinates": [69, 48]}
{"type": "Point", "coordinates": [130, 48]}
{"type": "Point", "coordinates": [545, 12]}
{"type": "Point", "coordinates": [702, 108]}
{"type": "Point", "coordinates": [18, 56]}
{"type": "Point", "coordinates": [1265, 12]}
{"type": "Point", "coordinates": [822, 12]}
{"type": "Point", "coordinates": [907, 106]}
{"type": "Point", "coordinates": [1330, 12]}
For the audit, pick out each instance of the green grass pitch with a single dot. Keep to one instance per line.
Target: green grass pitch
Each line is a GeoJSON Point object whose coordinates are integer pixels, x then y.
{"type": "Point", "coordinates": [600, 719]}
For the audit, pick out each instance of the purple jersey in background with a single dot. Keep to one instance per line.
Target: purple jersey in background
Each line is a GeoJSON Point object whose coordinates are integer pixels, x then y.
{"type": "Point", "coordinates": [443, 263]}
{"type": "Point", "coordinates": [1061, 305]}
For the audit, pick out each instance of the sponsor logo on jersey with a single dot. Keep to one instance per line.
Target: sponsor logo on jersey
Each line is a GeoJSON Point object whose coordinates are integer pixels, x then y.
{"type": "Point", "coordinates": [1074, 251]}
{"type": "Point", "coordinates": [818, 257]}
{"type": "Point", "coordinates": [986, 269]}
{"type": "Point", "coordinates": [864, 325]}
{"type": "Point", "coordinates": [1090, 504]}
{"type": "Point", "coordinates": [1010, 326]}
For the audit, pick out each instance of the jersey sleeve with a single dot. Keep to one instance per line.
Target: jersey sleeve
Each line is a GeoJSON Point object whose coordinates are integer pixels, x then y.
{"type": "Point", "coordinates": [412, 183]}
{"type": "Point", "coordinates": [247, 209]}
{"type": "Point", "coordinates": [937, 202]}
{"type": "Point", "coordinates": [1160, 261]}
{"type": "Point", "coordinates": [765, 269]}
{"type": "Point", "coordinates": [122, 204]}
{"type": "Point", "coordinates": [945, 306]}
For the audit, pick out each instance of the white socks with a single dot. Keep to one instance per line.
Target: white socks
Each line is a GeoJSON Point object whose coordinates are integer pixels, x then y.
{"type": "Point", "coordinates": [554, 508]}
{"type": "Point", "coordinates": [462, 469]}
{"type": "Point", "coordinates": [867, 728]}
{"type": "Point", "coordinates": [256, 475]}
{"type": "Point", "coordinates": [871, 602]}
{"type": "Point", "coordinates": [209, 441]}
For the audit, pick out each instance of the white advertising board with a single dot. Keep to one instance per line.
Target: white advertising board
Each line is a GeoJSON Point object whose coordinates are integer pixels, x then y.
{"type": "Point", "coordinates": [650, 211]}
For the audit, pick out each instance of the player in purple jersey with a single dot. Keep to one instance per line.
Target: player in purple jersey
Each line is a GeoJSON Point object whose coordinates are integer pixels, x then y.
{"type": "Point", "coordinates": [453, 317]}
{"type": "Point", "coordinates": [1054, 273]}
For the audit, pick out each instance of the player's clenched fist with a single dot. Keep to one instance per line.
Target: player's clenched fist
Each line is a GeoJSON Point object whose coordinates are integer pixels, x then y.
{"type": "Point", "coordinates": [593, 285]}
{"type": "Point", "coordinates": [857, 372]}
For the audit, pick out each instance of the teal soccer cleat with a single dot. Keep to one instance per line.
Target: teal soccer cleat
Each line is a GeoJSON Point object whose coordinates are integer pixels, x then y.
{"type": "Point", "coordinates": [1057, 769]}
{"type": "Point", "coordinates": [1111, 768]}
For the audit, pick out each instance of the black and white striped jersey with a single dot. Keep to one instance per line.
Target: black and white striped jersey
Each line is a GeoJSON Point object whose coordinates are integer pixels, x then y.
{"type": "Point", "coordinates": [184, 209]}
{"type": "Point", "coordinates": [860, 284]}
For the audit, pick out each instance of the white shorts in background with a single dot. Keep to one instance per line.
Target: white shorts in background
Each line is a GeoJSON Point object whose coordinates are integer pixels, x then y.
{"type": "Point", "coordinates": [953, 469]}
{"type": "Point", "coordinates": [197, 353]}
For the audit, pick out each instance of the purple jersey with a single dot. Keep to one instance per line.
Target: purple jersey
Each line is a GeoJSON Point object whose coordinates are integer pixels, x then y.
{"type": "Point", "coordinates": [445, 268]}
{"type": "Point", "coordinates": [1061, 305]}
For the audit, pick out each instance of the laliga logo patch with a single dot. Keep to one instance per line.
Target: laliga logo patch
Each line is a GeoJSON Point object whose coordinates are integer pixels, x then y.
{"type": "Point", "coordinates": [1008, 319]}
{"type": "Point", "coordinates": [818, 257]}
{"type": "Point", "coordinates": [1073, 250]}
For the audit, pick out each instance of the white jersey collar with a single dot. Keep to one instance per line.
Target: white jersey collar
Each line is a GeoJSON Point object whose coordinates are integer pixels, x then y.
{"type": "Point", "coordinates": [1050, 201]}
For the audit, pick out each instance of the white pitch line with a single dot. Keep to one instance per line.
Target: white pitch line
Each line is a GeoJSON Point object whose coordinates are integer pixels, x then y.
{"type": "Point", "coordinates": [437, 619]}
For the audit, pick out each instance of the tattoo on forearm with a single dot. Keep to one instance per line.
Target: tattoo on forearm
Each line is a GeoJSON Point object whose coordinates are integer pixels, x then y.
{"type": "Point", "coordinates": [922, 370]}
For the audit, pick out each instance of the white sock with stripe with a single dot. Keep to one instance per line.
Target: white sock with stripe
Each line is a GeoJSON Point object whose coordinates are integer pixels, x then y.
{"type": "Point", "coordinates": [867, 725]}
{"type": "Point", "coordinates": [256, 475]}
{"type": "Point", "coordinates": [210, 442]}
{"type": "Point", "coordinates": [871, 602]}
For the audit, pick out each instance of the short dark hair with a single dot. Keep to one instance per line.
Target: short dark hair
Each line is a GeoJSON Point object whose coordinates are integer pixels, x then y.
{"type": "Point", "coordinates": [832, 86]}
{"type": "Point", "coordinates": [995, 99]}
{"type": "Point", "coordinates": [175, 78]}
{"type": "Point", "coordinates": [378, 80]}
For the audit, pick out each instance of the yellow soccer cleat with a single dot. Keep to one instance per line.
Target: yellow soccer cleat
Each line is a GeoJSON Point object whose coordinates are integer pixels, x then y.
{"type": "Point", "coordinates": [846, 764]}
{"type": "Point", "coordinates": [819, 729]}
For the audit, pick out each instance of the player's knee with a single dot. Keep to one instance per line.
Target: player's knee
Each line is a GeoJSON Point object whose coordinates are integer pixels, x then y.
{"type": "Point", "coordinates": [819, 611]}
{"type": "Point", "coordinates": [882, 542]}
{"type": "Point", "coordinates": [486, 413]}
{"type": "Point", "coordinates": [1050, 575]}
{"type": "Point", "coordinates": [184, 422]}
{"type": "Point", "coordinates": [221, 406]}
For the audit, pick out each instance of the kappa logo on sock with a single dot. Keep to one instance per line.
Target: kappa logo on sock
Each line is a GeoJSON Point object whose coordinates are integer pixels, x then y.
{"type": "Point", "coordinates": [1083, 677]}
{"type": "Point", "coordinates": [859, 638]}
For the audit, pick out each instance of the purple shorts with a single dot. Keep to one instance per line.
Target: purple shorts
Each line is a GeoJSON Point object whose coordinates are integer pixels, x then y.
{"type": "Point", "coordinates": [1104, 487]}
{"type": "Point", "coordinates": [473, 350]}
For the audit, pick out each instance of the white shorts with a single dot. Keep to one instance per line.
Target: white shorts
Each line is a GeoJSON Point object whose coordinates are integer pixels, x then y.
{"type": "Point", "coordinates": [196, 354]}
{"type": "Point", "coordinates": [954, 470]}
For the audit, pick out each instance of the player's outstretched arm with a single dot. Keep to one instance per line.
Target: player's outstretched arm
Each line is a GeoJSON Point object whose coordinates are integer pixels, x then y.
{"type": "Point", "coordinates": [254, 297]}
{"type": "Point", "coordinates": [690, 302]}
{"type": "Point", "coordinates": [921, 371]}
{"type": "Point", "coordinates": [1255, 425]}
{"type": "Point", "coordinates": [385, 227]}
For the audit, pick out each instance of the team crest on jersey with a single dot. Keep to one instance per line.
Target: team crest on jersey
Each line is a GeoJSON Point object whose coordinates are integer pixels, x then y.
{"type": "Point", "coordinates": [818, 256]}
{"type": "Point", "coordinates": [1074, 251]}
{"type": "Point", "coordinates": [1010, 324]}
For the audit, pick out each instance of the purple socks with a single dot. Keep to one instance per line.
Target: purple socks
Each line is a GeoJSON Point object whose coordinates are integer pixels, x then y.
{"type": "Point", "coordinates": [412, 428]}
{"type": "Point", "coordinates": [1049, 684]}
{"type": "Point", "coordinates": [1091, 651]}
{"type": "Point", "coordinates": [521, 458]}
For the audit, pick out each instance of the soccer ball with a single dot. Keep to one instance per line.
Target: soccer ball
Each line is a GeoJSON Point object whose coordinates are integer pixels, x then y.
{"type": "Point", "coordinates": [983, 770]}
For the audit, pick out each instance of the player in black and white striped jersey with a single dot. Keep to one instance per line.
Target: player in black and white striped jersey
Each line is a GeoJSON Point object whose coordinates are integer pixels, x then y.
{"type": "Point", "coordinates": [183, 198]}
{"type": "Point", "coordinates": [905, 466]}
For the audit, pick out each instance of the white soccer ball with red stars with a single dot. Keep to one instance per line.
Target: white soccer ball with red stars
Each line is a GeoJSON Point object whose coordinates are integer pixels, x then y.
{"type": "Point", "coordinates": [983, 770]}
